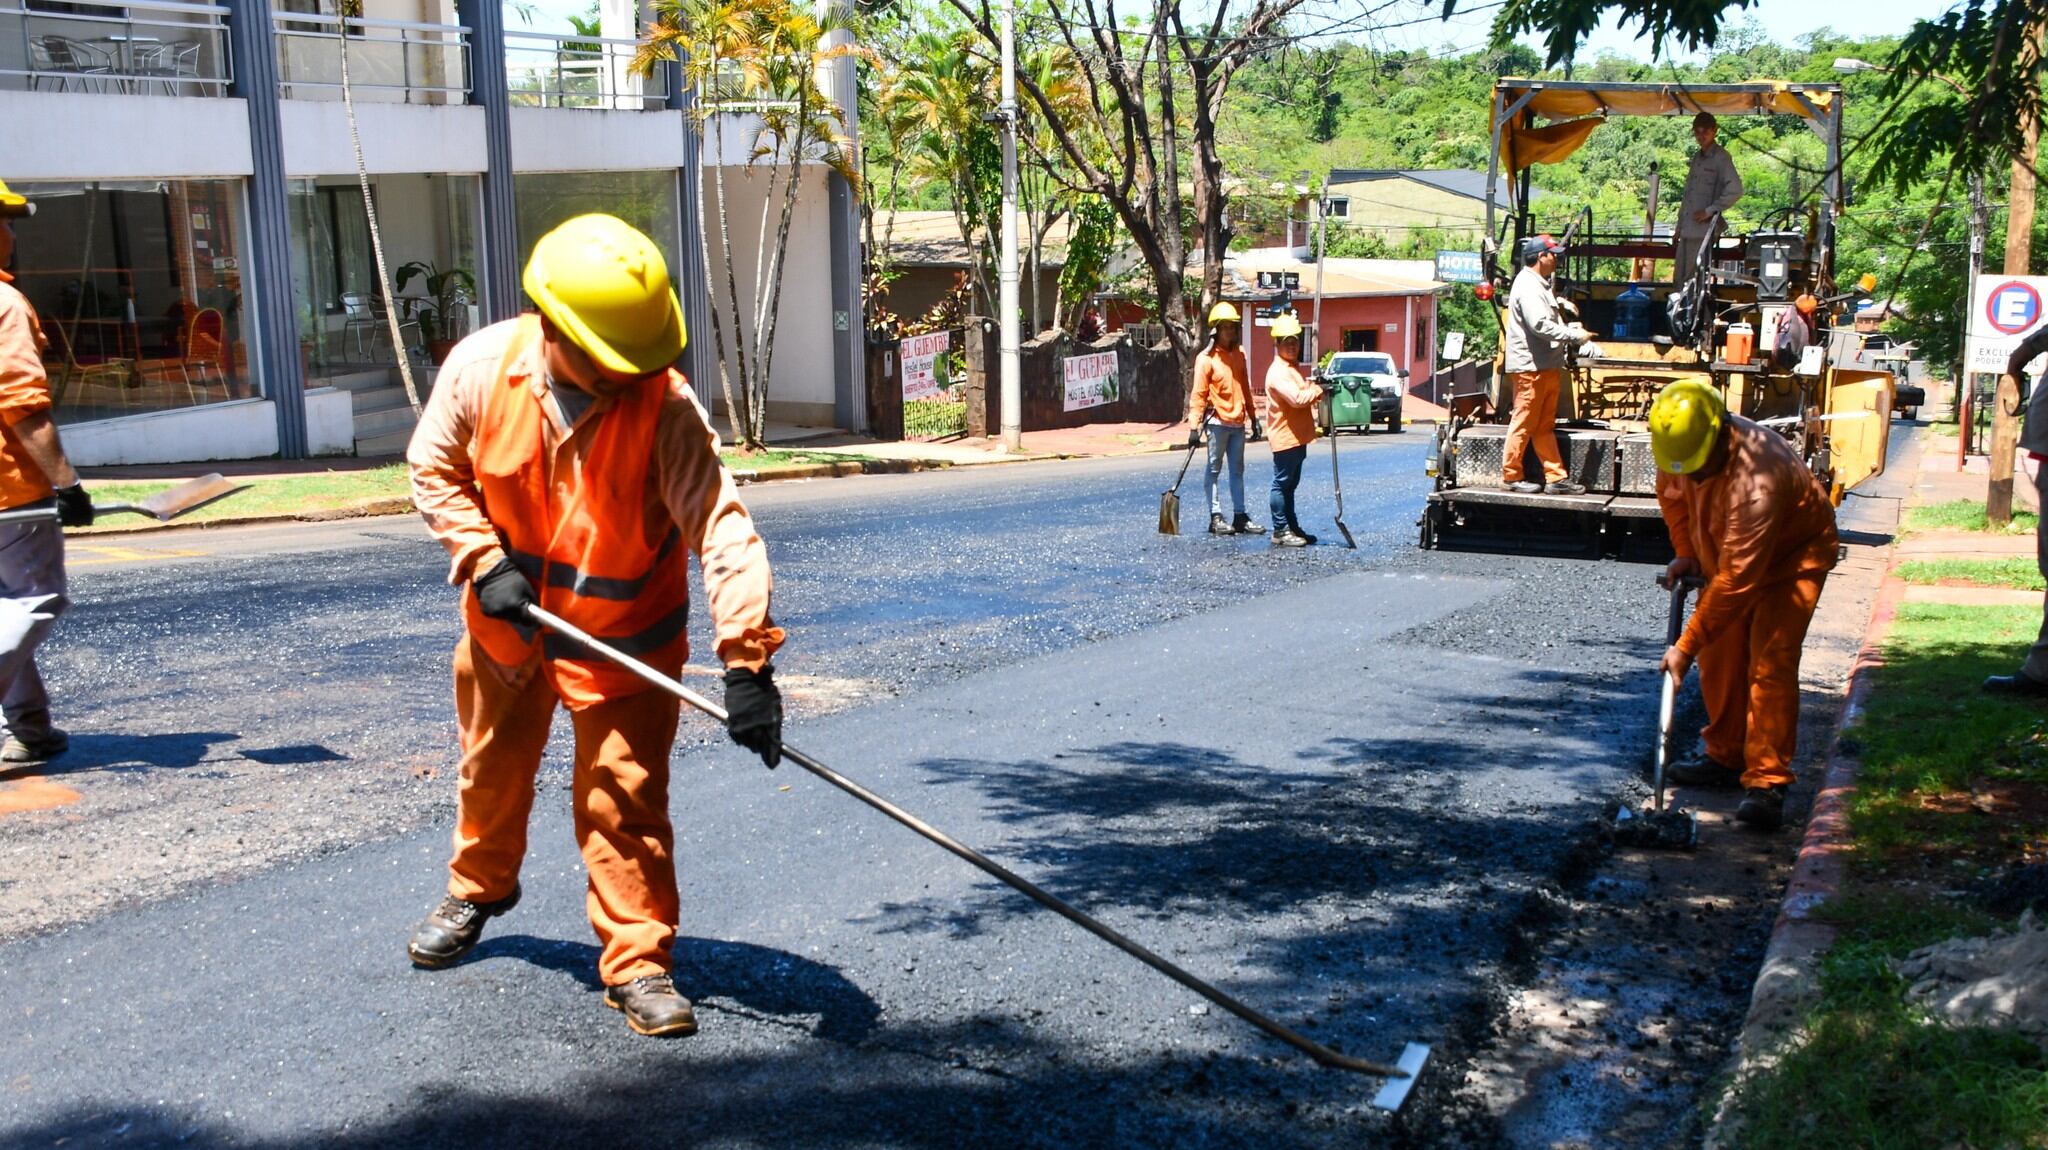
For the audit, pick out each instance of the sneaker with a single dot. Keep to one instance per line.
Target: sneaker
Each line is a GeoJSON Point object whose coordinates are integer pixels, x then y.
{"type": "Point", "coordinates": [1305, 537]}
{"type": "Point", "coordinates": [35, 750]}
{"type": "Point", "coordinates": [653, 1006]}
{"type": "Point", "coordinates": [1564, 487]}
{"type": "Point", "coordinates": [1243, 525]}
{"type": "Point", "coordinates": [1525, 487]}
{"type": "Point", "coordinates": [1285, 537]}
{"type": "Point", "coordinates": [2019, 685]}
{"type": "Point", "coordinates": [1217, 525]}
{"type": "Point", "coordinates": [1762, 808]}
{"type": "Point", "coordinates": [453, 929]}
{"type": "Point", "coordinates": [1704, 771]}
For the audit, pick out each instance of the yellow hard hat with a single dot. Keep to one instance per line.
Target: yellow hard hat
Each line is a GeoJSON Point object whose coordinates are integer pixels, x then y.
{"type": "Point", "coordinates": [13, 203]}
{"type": "Point", "coordinates": [1685, 423]}
{"type": "Point", "coordinates": [1286, 327]}
{"type": "Point", "coordinates": [1223, 312]}
{"type": "Point", "coordinates": [605, 285]}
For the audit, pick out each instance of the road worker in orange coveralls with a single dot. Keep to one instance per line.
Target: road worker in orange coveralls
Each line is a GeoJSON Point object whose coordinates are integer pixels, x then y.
{"type": "Point", "coordinates": [1748, 516]}
{"type": "Point", "coordinates": [564, 463]}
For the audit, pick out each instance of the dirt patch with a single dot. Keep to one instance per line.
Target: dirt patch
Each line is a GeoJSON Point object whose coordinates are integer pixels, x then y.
{"type": "Point", "coordinates": [1999, 981]}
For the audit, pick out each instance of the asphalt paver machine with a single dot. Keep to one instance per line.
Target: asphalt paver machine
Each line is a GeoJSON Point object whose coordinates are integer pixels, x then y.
{"type": "Point", "coordinates": [1651, 331]}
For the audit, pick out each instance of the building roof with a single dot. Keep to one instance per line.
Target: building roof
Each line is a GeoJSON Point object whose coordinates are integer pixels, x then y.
{"type": "Point", "coordinates": [1466, 182]}
{"type": "Point", "coordinates": [1342, 278]}
{"type": "Point", "coordinates": [931, 239]}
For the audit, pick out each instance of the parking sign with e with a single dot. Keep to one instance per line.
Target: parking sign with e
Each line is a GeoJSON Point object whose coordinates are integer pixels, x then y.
{"type": "Point", "coordinates": [2013, 307]}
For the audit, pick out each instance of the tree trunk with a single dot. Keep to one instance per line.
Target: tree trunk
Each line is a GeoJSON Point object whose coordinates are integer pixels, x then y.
{"type": "Point", "coordinates": [2019, 239]}
{"type": "Point", "coordinates": [348, 104]}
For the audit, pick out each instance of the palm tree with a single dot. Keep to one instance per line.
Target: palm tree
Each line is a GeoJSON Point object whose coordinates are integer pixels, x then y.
{"type": "Point", "coordinates": [760, 57]}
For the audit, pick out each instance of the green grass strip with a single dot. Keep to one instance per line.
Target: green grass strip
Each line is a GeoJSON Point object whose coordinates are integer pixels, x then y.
{"type": "Point", "coordinates": [2011, 571]}
{"type": "Point", "coordinates": [1961, 515]}
{"type": "Point", "coordinates": [267, 495]}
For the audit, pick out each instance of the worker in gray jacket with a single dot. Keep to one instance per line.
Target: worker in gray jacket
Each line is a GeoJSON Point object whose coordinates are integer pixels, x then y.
{"type": "Point", "coordinates": [2031, 681]}
{"type": "Point", "coordinates": [1538, 337]}
{"type": "Point", "coordinates": [1711, 188]}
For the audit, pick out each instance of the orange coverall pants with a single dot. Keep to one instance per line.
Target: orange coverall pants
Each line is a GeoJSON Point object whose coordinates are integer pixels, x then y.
{"type": "Point", "coordinates": [620, 793]}
{"type": "Point", "coordinates": [1534, 423]}
{"type": "Point", "coordinates": [1749, 678]}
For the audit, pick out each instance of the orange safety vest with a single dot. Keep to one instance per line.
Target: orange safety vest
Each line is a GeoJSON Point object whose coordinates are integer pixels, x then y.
{"type": "Point", "coordinates": [593, 551]}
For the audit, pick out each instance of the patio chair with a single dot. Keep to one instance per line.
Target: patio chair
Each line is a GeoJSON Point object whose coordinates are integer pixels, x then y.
{"type": "Point", "coordinates": [206, 346]}
{"type": "Point", "coordinates": [118, 374]}
{"type": "Point", "coordinates": [61, 58]}
{"type": "Point", "coordinates": [167, 64]}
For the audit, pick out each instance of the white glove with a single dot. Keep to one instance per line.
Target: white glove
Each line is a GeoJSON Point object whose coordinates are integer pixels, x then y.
{"type": "Point", "coordinates": [1589, 350]}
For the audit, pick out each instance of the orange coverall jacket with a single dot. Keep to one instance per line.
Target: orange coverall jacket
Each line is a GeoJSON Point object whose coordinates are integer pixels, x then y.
{"type": "Point", "coordinates": [1222, 387]}
{"type": "Point", "coordinates": [1290, 406]}
{"type": "Point", "coordinates": [600, 517]}
{"type": "Point", "coordinates": [1763, 518]}
{"type": "Point", "coordinates": [24, 391]}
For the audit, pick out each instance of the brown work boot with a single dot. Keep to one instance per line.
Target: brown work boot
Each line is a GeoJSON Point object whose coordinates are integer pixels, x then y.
{"type": "Point", "coordinates": [453, 929]}
{"type": "Point", "coordinates": [1763, 808]}
{"type": "Point", "coordinates": [653, 1006]}
{"type": "Point", "coordinates": [36, 749]}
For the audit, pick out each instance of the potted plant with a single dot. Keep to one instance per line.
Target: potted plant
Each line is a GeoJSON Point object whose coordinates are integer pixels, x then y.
{"type": "Point", "coordinates": [438, 312]}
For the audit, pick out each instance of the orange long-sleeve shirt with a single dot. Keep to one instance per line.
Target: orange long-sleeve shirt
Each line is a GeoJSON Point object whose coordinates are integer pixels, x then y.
{"type": "Point", "coordinates": [1222, 387]}
{"type": "Point", "coordinates": [1290, 406]}
{"type": "Point", "coordinates": [687, 483]}
{"type": "Point", "coordinates": [24, 391]}
{"type": "Point", "coordinates": [1763, 518]}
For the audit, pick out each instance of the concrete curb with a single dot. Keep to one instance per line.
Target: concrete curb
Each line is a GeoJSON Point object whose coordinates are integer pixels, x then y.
{"type": "Point", "coordinates": [1786, 981]}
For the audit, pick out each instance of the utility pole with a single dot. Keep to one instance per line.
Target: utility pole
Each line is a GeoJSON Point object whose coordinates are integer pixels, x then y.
{"type": "Point", "coordinates": [1980, 223]}
{"type": "Point", "coordinates": [1006, 294]}
{"type": "Point", "coordinates": [2019, 236]}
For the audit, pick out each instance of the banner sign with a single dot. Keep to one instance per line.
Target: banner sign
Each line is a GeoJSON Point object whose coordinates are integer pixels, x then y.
{"type": "Point", "coordinates": [1459, 267]}
{"type": "Point", "coordinates": [920, 355]}
{"type": "Point", "coordinates": [2004, 311]}
{"type": "Point", "coordinates": [1090, 380]}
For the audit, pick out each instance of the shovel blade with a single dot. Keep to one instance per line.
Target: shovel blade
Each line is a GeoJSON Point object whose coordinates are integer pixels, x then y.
{"type": "Point", "coordinates": [1346, 532]}
{"type": "Point", "coordinates": [1394, 1091]}
{"type": "Point", "coordinates": [1169, 513]}
{"type": "Point", "coordinates": [168, 505]}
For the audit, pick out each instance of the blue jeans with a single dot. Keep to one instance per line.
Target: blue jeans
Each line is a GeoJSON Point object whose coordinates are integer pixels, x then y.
{"type": "Point", "coordinates": [1287, 477]}
{"type": "Point", "coordinates": [1226, 442]}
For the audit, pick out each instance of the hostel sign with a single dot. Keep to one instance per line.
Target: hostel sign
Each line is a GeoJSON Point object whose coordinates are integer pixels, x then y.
{"type": "Point", "coordinates": [1090, 380]}
{"type": "Point", "coordinates": [920, 355]}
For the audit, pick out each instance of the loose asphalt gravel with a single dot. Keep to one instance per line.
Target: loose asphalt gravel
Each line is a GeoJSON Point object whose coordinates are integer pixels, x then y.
{"type": "Point", "coordinates": [1333, 781]}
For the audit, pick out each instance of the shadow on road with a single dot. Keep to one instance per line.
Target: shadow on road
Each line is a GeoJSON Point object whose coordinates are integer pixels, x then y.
{"type": "Point", "coordinates": [122, 753]}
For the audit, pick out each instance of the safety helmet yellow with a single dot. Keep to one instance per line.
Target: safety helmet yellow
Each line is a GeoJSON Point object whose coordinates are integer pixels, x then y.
{"type": "Point", "coordinates": [1685, 423]}
{"type": "Point", "coordinates": [605, 285]}
{"type": "Point", "coordinates": [13, 203]}
{"type": "Point", "coordinates": [1223, 312]}
{"type": "Point", "coordinates": [1285, 326]}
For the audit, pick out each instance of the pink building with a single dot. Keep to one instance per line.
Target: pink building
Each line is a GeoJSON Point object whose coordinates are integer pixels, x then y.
{"type": "Point", "coordinates": [1368, 305]}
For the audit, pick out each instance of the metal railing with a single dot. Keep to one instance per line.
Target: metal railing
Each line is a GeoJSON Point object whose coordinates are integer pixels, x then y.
{"type": "Point", "coordinates": [549, 70]}
{"type": "Point", "coordinates": [393, 60]}
{"type": "Point", "coordinates": [140, 46]}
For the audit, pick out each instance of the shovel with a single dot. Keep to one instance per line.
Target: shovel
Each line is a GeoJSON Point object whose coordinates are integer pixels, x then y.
{"type": "Point", "coordinates": [164, 506]}
{"type": "Point", "coordinates": [1659, 827]}
{"type": "Point", "coordinates": [1399, 1078]}
{"type": "Point", "coordinates": [1169, 499]}
{"type": "Point", "coordinates": [1329, 420]}
{"type": "Point", "coordinates": [1337, 480]}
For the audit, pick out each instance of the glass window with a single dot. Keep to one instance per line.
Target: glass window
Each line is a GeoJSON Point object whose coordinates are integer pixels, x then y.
{"type": "Point", "coordinates": [428, 223]}
{"type": "Point", "coordinates": [139, 288]}
{"type": "Point", "coordinates": [647, 200]}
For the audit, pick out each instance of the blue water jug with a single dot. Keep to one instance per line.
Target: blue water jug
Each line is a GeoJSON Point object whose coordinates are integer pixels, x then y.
{"type": "Point", "coordinates": [1632, 315]}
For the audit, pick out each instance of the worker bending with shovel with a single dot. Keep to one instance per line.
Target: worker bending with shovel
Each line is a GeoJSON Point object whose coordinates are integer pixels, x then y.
{"type": "Point", "coordinates": [1751, 519]}
{"type": "Point", "coordinates": [565, 464]}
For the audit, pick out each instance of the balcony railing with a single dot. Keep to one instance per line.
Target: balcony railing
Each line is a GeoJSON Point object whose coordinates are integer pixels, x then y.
{"type": "Point", "coordinates": [544, 70]}
{"type": "Point", "coordinates": [392, 61]}
{"type": "Point", "coordinates": [160, 47]}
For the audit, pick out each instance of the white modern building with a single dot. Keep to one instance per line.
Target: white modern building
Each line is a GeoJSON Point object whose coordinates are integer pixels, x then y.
{"type": "Point", "coordinates": [201, 254]}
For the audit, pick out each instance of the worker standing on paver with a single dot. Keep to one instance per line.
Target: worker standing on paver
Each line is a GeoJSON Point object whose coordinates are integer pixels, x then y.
{"type": "Point", "coordinates": [1747, 515]}
{"type": "Point", "coordinates": [2031, 680]}
{"type": "Point", "coordinates": [1223, 394]}
{"type": "Point", "coordinates": [33, 473]}
{"type": "Point", "coordinates": [565, 464]}
{"type": "Point", "coordinates": [1537, 339]}
{"type": "Point", "coordinates": [1711, 188]}
{"type": "Point", "coordinates": [1291, 399]}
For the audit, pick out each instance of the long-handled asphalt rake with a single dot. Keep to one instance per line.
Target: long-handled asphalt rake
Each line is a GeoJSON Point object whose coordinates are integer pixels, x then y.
{"type": "Point", "coordinates": [1399, 1078]}
{"type": "Point", "coordinates": [163, 507]}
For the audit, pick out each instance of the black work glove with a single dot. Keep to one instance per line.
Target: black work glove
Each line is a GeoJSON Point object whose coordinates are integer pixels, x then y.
{"type": "Point", "coordinates": [74, 506]}
{"type": "Point", "coordinates": [504, 593]}
{"type": "Point", "coordinates": [1194, 437]}
{"type": "Point", "coordinates": [753, 712]}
